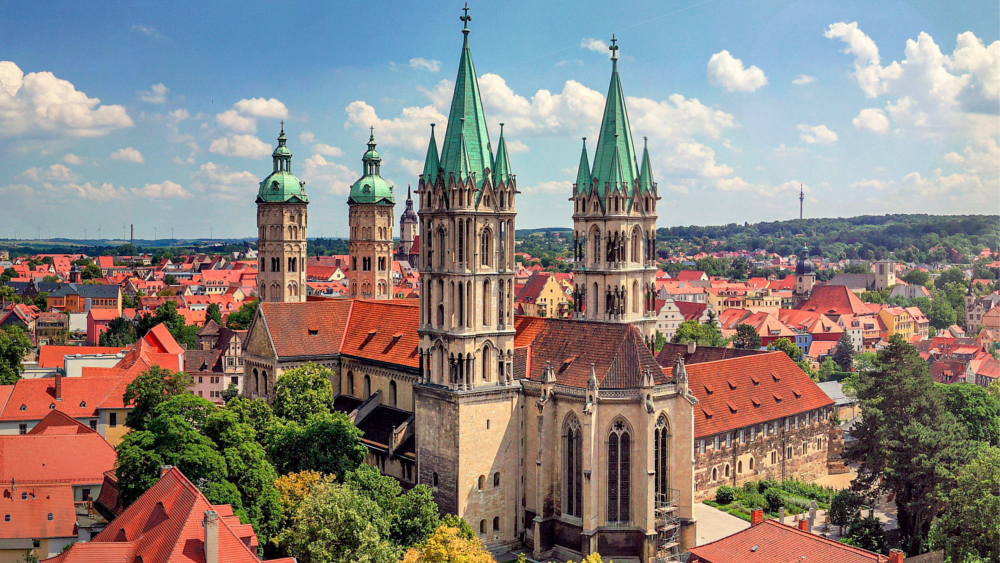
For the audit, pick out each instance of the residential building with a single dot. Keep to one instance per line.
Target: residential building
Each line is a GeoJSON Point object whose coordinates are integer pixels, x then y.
{"type": "Point", "coordinates": [847, 407]}
{"type": "Point", "coordinates": [897, 321]}
{"type": "Point", "coordinates": [218, 363]}
{"type": "Point", "coordinates": [921, 324]}
{"type": "Point", "coordinates": [834, 301]}
{"type": "Point", "coordinates": [51, 328]}
{"type": "Point", "coordinates": [97, 324]}
{"type": "Point", "coordinates": [282, 219]}
{"type": "Point", "coordinates": [908, 291]}
{"type": "Point", "coordinates": [544, 296]}
{"type": "Point", "coordinates": [81, 298]}
{"type": "Point", "coordinates": [371, 219]}
{"type": "Point", "coordinates": [172, 522]}
{"type": "Point", "coordinates": [670, 314]}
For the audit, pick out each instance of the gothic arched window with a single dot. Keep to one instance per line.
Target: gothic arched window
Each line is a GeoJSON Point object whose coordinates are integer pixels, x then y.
{"type": "Point", "coordinates": [661, 451]}
{"type": "Point", "coordinates": [350, 383]}
{"type": "Point", "coordinates": [392, 393]}
{"type": "Point", "coordinates": [619, 473]}
{"type": "Point", "coordinates": [368, 387]}
{"type": "Point", "coordinates": [573, 467]}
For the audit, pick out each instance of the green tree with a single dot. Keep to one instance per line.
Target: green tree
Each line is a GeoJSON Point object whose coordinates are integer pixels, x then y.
{"type": "Point", "coordinates": [845, 509]}
{"type": "Point", "coordinates": [449, 545]}
{"type": "Point", "coordinates": [14, 344]}
{"type": "Point", "coordinates": [843, 354]}
{"type": "Point", "coordinates": [151, 388]}
{"type": "Point", "coordinates": [788, 347]}
{"type": "Point", "coordinates": [303, 391]}
{"type": "Point", "coordinates": [120, 333]}
{"type": "Point", "coordinates": [336, 524]}
{"type": "Point", "coordinates": [230, 393]}
{"type": "Point", "coordinates": [294, 488]}
{"type": "Point", "coordinates": [170, 279]}
{"type": "Point", "coordinates": [976, 409]}
{"type": "Point", "coordinates": [193, 409]}
{"type": "Point", "coordinates": [704, 334]}
{"type": "Point", "coordinates": [240, 319]}
{"type": "Point", "coordinates": [91, 272]}
{"type": "Point", "coordinates": [412, 516]}
{"type": "Point", "coordinates": [941, 314]}
{"type": "Point", "coordinates": [828, 369]}
{"type": "Point", "coordinates": [327, 442]}
{"type": "Point", "coordinates": [7, 294]}
{"type": "Point", "coordinates": [747, 337]}
{"type": "Point", "coordinates": [968, 525]}
{"type": "Point", "coordinates": [214, 313]}
{"type": "Point", "coordinates": [917, 277]}
{"type": "Point", "coordinates": [868, 533]}
{"type": "Point", "coordinates": [51, 279]}
{"type": "Point", "coordinates": [907, 442]}
{"type": "Point", "coordinates": [951, 275]}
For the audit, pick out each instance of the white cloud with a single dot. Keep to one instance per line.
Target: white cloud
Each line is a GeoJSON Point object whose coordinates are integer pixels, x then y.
{"type": "Point", "coordinates": [440, 95]}
{"type": "Point", "coordinates": [109, 192]}
{"type": "Point", "coordinates": [259, 107]}
{"type": "Point", "coordinates": [866, 185]}
{"type": "Point", "coordinates": [932, 92]}
{"type": "Point", "coordinates": [556, 187]}
{"type": "Point", "coordinates": [147, 30]}
{"type": "Point", "coordinates": [180, 114]}
{"type": "Point", "coordinates": [307, 138]}
{"type": "Point", "coordinates": [872, 119]}
{"type": "Point", "coordinates": [246, 146]}
{"type": "Point", "coordinates": [574, 110]}
{"type": "Point", "coordinates": [71, 158]}
{"type": "Point", "coordinates": [411, 130]}
{"type": "Point", "coordinates": [595, 45]}
{"type": "Point", "coordinates": [517, 146]}
{"type": "Point", "coordinates": [728, 71]}
{"type": "Point", "coordinates": [425, 64]}
{"type": "Point", "coordinates": [676, 119]}
{"type": "Point", "coordinates": [413, 167]}
{"type": "Point", "coordinates": [128, 154]}
{"type": "Point", "coordinates": [733, 184]}
{"type": "Point", "coordinates": [328, 150]}
{"type": "Point", "coordinates": [336, 176]}
{"type": "Point", "coordinates": [694, 159]}
{"type": "Point", "coordinates": [232, 120]}
{"type": "Point", "coordinates": [38, 103]}
{"type": "Point", "coordinates": [219, 182]}
{"type": "Point", "coordinates": [982, 157]}
{"type": "Point", "coordinates": [161, 191]}
{"type": "Point", "coordinates": [803, 79]}
{"type": "Point", "coordinates": [782, 151]}
{"type": "Point", "coordinates": [157, 94]}
{"type": "Point", "coordinates": [54, 173]}
{"type": "Point", "coordinates": [817, 134]}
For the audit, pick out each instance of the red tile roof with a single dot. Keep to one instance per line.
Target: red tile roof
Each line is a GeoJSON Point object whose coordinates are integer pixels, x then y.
{"type": "Point", "coordinates": [53, 356]}
{"type": "Point", "coordinates": [691, 275]}
{"type": "Point", "coordinates": [834, 300]}
{"type": "Point", "coordinates": [54, 457]}
{"type": "Point", "coordinates": [691, 311]}
{"type": "Point", "coordinates": [33, 399]}
{"type": "Point", "coordinates": [384, 331]}
{"type": "Point", "coordinates": [739, 392]}
{"type": "Point", "coordinates": [313, 328]}
{"type": "Point", "coordinates": [165, 526]}
{"type": "Point", "coordinates": [29, 518]}
{"type": "Point", "coordinates": [59, 423]}
{"type": "Point", "coordinates": [771, 542]}
{"type": "Point", "coordinates": [813, 322]}
{"type": "Point", "coordinates": [533, 288]}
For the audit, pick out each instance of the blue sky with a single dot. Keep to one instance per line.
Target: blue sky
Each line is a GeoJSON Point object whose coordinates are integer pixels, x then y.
{"type": "Point", "coordinates": [165, 114]}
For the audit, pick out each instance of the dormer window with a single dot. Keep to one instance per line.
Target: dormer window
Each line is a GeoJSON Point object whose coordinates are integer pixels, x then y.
{"type": "Point", "coordinates": [24, 408]}
{"type": "Point", "coordinates": [83, 404]}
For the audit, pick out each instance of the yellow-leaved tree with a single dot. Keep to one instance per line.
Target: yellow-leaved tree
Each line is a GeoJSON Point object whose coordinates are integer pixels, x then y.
{"type": "Point", "coordinates": [295, 487]}
{"type": "Point", "coordinates": [446, 545]}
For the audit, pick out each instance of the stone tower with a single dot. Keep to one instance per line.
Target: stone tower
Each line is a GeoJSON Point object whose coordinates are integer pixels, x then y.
{"type": "Point", "coordinates": [805, 277]}
{"type": "Point", "coordinates": [614, 220]}
{"type": "Point", "coordinates": [465, 392]}
{"type": "Point", "coordinates": [407, 226]}
{"type": "Point", "coordinates": [282, 219]}
{"type": "Point", "coordinates": [885, 274]}
{"type": "Point", "coordinates": [371, 204]}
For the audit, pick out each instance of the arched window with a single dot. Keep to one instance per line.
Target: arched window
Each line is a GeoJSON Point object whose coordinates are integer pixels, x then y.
{"type": "Point", "coordinates": [482, 526]}
{"type": "Point", "coordinates": [392, 393]}
{"type": "Point", "coordinates": [619, 473]}
{"type": "Point", "coordinates": [263, 377]}
{"type": "Point", "coordinates": [434, 479]}
{"type": "Point", "coordinates": [635, 297]}
{"type": "Point", "coordinates": [487, 298]}
{"type": "Point", "coordinates": [482, 482]}
{"type": "Point", "coordinates": [496, 523]}
{"type": "Point", "coordinates": [368, 387]}
{"type": "Point", "coordinates": [256, 381]}
{"type": "Point", "coordinates": [487, 358]}
{"type": "Point", "coordinates": [739, 467]}
{"type": "Point", "coordinates": [726, 471]}
{"type": "Point", "coordinates": [350, 383]}
{"type": "Point", "coordinates": [496, 479]}
{"type": "Point", "coordinates": [486, 247]}
{"type": "Point", "coordinates": [751, 464]}
{"type": "Point", "coordinates": [661, 451]}
{"type": "Point", "coordinates": [573, 467]}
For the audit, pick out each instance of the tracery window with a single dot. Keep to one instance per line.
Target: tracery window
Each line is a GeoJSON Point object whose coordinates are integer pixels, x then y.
{"type": "Point", "coordinates": [661, 451]}
{"type": "Point", "coordinates": [573, 467]}
{"type": "Point", "coordinates": [619, 472]}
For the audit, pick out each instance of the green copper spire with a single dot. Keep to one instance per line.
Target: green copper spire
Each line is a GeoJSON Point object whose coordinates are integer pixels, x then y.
{"type": "Point", "coordinates": [615, 135]}
{"type": "Point", "coordinates": [616, 178]}
{"type": "Point", "coordinates": [583, 172]}
{"type": "Point", "coordinates": [501, 168]}
{"type": "Point", "coordinates": [281, 185]}
{"type": "Point", "coordinates": [371, 187]}
{"type": "Point", "coordinates": [466, 119]}
{"type": "Point", "coordinates": [646, 173]}
{"type": "Point", "coordinates": [431, 163]}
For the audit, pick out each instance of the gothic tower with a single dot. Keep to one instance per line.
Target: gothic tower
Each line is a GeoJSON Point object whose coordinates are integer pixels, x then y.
{"type": "Point", "coordinates": [282, 219]}
{"type": "Point", "coordinates": [371, 220]}
{"type": "Point", "coordinates": [805, 277]}
{"type": "Point", "coordinates": [614, 220]}
{"type": "Point", "coordinates": [407, 226]}
{"type": "Point", "coordinates": [467, 313]}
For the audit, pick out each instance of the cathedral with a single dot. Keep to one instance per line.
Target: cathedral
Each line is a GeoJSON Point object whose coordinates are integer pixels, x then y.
{"type": "Point", "coordinates": [564, 436]}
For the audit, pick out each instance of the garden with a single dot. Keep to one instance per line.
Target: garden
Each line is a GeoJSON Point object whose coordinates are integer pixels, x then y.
{"type": "Point", "coordinates": [796, 496]}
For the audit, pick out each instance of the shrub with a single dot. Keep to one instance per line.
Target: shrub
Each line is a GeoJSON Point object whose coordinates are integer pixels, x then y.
{"type": "Point", "coordinates": [774, 498]}
{"type": "Point", "coordinates": [752, 500]}
{"type": "Point", "coordinates": [764, 484]}
{"type": "Point", "coordinates": [725, 494]}
{"type": "Point", "coordinates": [845, 509]}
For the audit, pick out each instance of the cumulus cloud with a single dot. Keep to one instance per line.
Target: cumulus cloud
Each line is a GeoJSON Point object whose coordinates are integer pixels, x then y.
{"type": "Point", "coordinates": [592, 44]}
{"type": "Point", "coordinates": [128, 154]}
{"type": "Point", "coordinates": [803, 79]}
{"type": "Point", "coordinates": [54, 173]}
{"type": "Point", "coordinates": [38, 103]}
{"type": "Point", "coordinates": [727, 71]}
{"type": "Point", "coordinates": [556, 187]}
{"type": "Point", "coordinates": [419, 63]}
{"type": "Point", "coordinates": [307, 138]}
{"type": "Point", "coordinates": [232, 120]}
{"type": "Point", "coordinates": [109, 192]}
{"type": "Point", "coordinates": [981, 157]}
{"type": "Point", "coordinates": [180, 114]}
{"type": "Point", "coordinates": [411, 130]}
{"type": "Point", "coordinates": [328, 150]}
{"type": "Point", "coordinates": [71, 158]}
{"type": "Point", "coordinates": [929, 89]}
{"type": "Point", "coordinates": [413, 167]}
{"type": "Point", "coordinates": [573, 110]}
{"type": "Point", "coordinates": [817, 134]}
{"type": "Point", "coordinates": [333, 175]}
{"type": "Point", "coordinates": [246, 146]}
{"type": "Point", "coordinates": [259, 107]}
{"type": "Point", "coordinates": [216, 181]}
{"type": "Point", "coordinates": [872, 119]}
{"type": "Point", "coordinates": [157, 94]}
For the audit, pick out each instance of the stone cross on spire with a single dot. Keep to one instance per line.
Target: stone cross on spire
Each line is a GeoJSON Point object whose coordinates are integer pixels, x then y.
{"type": "Point", "coordinates": [466, 18]}
{"type": "Point", "coordinates": [613, 48]}
{"type": "Point", "coordinates": [372, 136]}
{"type": "Point", "coordinates": [282, 125]}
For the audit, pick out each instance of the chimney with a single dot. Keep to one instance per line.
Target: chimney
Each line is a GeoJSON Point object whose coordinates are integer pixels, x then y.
{"type": "Point", "coordinates": [59, 384]}
{"type": "Point", "coordinates": [164, 469]}
{"type": "Point", "coordinates": [211, 524]}
{"type": "Point", "coordinates": [692, 346]}
{"type": "Point", "coordinates": [896, 556]}
{"type": "Point", "coordinates": [804, 525]}
{"type": "Point", "coordinates": [756, 517]}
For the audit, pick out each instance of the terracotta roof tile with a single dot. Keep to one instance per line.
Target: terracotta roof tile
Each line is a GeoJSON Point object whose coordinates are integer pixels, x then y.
{"type": "Point", "coordinates": [29, 517]}
{"type": "Point", "coordinates": [53, 356]}
{"type": "Point", "coordinates": [48, 457]}
{"type": "Point", "coordinates": [290, 325]}
{"type": "Point", "coordinates": [384, 331]}
{"type": "Point", "coordinates": [771, 542]}
{"type": "Point", "coordinates": [834, 300]}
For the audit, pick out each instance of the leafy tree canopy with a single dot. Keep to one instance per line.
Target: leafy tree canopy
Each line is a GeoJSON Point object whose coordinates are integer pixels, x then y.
{"type": "Point", "coordinates": [788, 347]}
{"type": "Point", "coordinates": [746, 337]}
{"type": "Point", "coordinates": [240, 319]}
{"type": "Point", "coordinates": [14, 344]}
{"type": "Point", "coordinates": [303, 391]}
{"type": "Point", "coordinates": [703, 334]}
{"type": "Point", "coordinates": [967, 528]}
{"type": "Point", "coordinates": [447, 545]}
{"type": "Point", "coordinates": [976, 409]}
{"type": "Point", "coordinates": [151, 388]}
{"type": "Point", "coordinates": [327, 442]}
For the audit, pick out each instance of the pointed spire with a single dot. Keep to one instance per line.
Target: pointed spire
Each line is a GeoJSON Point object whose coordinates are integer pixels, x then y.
{"type": "Point", "coordinates": [467, 107]}
{"type": "Point", "coordinates": [616, 175]}
{"type": "Point", "coordinates": [501, 168]}
{"type": "Point", "coordinates": [464, 170]}
{"type": "Point", "coordinates": [583, 172]}
{"type": "Point", "coordinates": [431, 163]}
{"type": "Point", "coordinates": [615, 135]}
{"type": "Point", "coordinates": [646, 172]}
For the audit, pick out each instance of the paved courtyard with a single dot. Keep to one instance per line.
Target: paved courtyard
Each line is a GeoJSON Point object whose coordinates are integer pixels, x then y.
{"type": "Point", "coordinates": [714, 524]}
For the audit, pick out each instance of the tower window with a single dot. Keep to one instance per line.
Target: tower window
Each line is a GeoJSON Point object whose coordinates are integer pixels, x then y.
{"type": "Point", "coordinates": [366, 263]}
